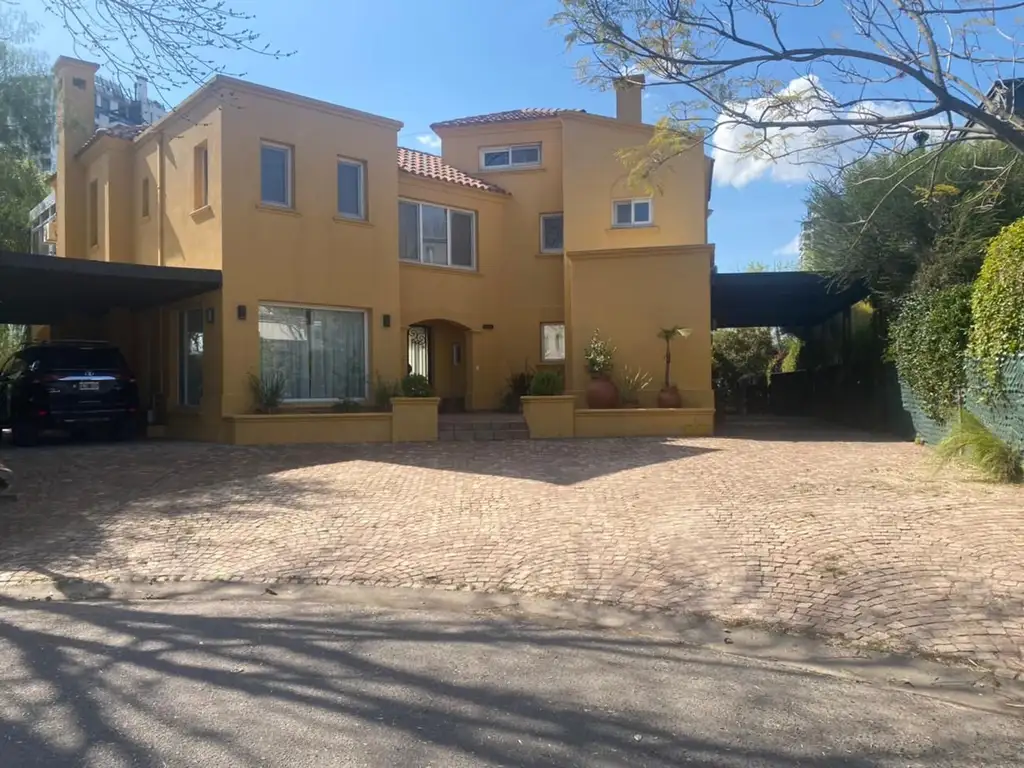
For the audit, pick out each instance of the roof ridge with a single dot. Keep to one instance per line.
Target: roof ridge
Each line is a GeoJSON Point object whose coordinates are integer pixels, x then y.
{"type": "Point", "coordinates": [508, 116]}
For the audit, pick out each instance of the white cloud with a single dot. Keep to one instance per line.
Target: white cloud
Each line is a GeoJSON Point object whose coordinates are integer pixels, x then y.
{"type": "Point", "coordinates": [792, 248]}
{"type": "Point", "coordinates": [429, 140]}
{"type": "Point", "coordinates": [789, 155]}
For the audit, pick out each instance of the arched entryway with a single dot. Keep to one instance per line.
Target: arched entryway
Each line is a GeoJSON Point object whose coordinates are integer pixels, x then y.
{"type": "Point", "coordinates": [439, 349]}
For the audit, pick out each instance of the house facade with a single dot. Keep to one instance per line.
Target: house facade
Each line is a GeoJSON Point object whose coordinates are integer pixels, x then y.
{"type": "Point", "coordinates": [346, 259]}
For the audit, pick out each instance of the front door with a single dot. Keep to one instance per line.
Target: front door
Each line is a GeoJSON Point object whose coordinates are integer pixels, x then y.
{"type": "Point", "coordinates": [419, 352]}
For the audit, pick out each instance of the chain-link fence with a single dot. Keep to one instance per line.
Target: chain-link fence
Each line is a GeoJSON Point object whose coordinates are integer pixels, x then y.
{"type": "Point", "coordinates": [1003, 414]}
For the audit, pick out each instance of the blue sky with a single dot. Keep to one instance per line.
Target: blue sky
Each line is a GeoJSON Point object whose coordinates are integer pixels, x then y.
{"type": "Point", "coordinates": [425, 62]}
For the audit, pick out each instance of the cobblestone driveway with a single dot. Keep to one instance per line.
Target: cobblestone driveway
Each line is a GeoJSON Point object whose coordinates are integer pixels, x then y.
{"type": "Point", "coordinates": [813, 531]}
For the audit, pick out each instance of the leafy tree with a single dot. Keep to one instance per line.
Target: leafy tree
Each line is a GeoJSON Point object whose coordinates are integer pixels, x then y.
{"type": "Point", "coordinates": [739, 352]}
{"type": "Point", "coordinates": [914, 221]}
{"type": "Point", "coordinates": [788, 78]}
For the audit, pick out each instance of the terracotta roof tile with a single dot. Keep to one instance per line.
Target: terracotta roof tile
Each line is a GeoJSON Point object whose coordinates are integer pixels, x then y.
{"type": "Point", "coordinates": [433, 167]}
{"type": "Point", "coordinates": [509, 116]}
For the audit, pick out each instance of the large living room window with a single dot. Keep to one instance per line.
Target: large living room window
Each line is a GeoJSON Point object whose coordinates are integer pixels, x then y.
{"type": "Point", "coordinates": [319, 353]}
{"type": "Point", "coordinates": [431, 234]}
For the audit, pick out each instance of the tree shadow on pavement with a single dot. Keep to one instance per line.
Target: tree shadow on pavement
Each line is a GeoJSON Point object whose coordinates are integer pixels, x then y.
{"type": "Point", "coordinates": [85, 683]}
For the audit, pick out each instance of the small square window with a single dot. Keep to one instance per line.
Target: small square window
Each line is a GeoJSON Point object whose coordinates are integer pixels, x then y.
{"type": "Point", "coordinates": [632, 213]}
{"type": "Point", "coordinates": [551, 233]}
{"type": "Point", "coordinates": [529, 155]}
{"type": "Point", "coordinates": [276, 174]}
{"type": "Point", "coordinates": [552, 342]}
{"type": "Point", "coordinates": [496, 159]}
{"type": "Point", "coordinates": [351, 185]}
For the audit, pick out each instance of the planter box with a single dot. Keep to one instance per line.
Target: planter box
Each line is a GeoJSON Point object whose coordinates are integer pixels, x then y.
{"type": "Point", "coordinates": [645, 422]}
{"type": "Point", "coordinates": [550, 416]}
{"type": "Point", "coordinates": [281, 428]}
{"type": "Point", "coordinates": [414, 419]}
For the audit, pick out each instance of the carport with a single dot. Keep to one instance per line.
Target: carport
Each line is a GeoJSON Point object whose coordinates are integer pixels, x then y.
{"type": "Point", "coordinates": [789, 300]}
{"type": "Point", "coordinates": [47, 290]}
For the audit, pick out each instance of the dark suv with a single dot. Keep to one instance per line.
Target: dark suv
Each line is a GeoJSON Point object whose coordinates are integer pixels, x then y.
{"type": "Point", "coordinates": [69, 385]}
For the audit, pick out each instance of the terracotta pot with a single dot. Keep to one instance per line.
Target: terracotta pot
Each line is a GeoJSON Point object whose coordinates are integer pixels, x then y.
{"type": "Point", "coordinates": [669, 397]}
{"type": "Point", "coordinates": [602, 393]}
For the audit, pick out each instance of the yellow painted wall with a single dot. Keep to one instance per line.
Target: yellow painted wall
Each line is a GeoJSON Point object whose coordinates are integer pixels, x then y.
{"type": "Point", "coordinates": [305, 255]}
{"type": "Point", "coordinates": [74, 85]}
{"type": "Point", "coordinates": [628, 295]}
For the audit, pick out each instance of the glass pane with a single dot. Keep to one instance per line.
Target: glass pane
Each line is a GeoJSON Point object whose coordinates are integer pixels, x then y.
{"type": "Point", "coordinates": [525, 155]}
{"type": "Point", "coordinates": [641, 212]}
{"type": "Point", "coordinates": [462, 239]}
{"type": "Point", "coordinates": [624, 213]}
{"type": "Point", "coordinates": [435, 234]}
{"type": "Point", "coordinates": [284, 348]}
{"type": "Point", "coordinates": [338, 361]}
{"type": "Point", "coordinates": [409, 231]}
{"type": "Point", "coordinates": [350, 190]}
{"type": "Point", "coordinates": [190, 357]}
{"type": "Point", "coordinates": [495, 159]}
{"type": "Point", "coordinates": [274, 175]}
{"type": "Point", "coordinates": [552, 233]}
{"type": "Point", "coordinates": [553, 341]}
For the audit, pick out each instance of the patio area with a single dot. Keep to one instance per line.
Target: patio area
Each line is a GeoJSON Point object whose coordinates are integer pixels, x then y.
{"type": "Point", "coordinates": [788, 524]}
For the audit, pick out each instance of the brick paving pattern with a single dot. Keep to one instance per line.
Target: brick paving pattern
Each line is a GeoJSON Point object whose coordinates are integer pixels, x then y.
{"type": "Point", "coordinates": [812, 530]}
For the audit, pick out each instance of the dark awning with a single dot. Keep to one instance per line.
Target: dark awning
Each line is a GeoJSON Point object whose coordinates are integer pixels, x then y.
{"type": "Point", "coordinates": [778, 299]}
{"type": "Point", "coordinates": [40, 290]}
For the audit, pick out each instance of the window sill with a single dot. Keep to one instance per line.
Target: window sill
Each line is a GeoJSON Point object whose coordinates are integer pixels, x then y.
{"type": "Point", "coordinates": [202, 214]}
{"type": "Point", "coordinates": [468, 271]}
{"type": "Point", "coordinates": [279, 209]}
{"type": "Point", "coordinates": [530, 169]}
{"type": "Point", "coordinates": [348, 220]}
{"type": "Point", "coordinates": [620, 228]}
{"type": "Point", "coordinates": [550, 254]}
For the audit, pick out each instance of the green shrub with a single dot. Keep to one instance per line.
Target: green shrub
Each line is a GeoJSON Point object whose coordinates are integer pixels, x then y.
{"type": "Point", "coordinates": [383, 391]}
{"type": "Point", "coordinates": [267, 391]}
{"type": "Point", "coordinates": [998, 304]}
{"type": "Point", "coordinates": [631, 383]}
{"type": "Point", "coordinates": [547, 383]}
{"type": "Point", "coordinates": [599, 355]}
{"type": "Point", "coordinates": [791, 360]}
{"type": "Point", "coordinates": [927, 342]}
{"type": "Point", "coordinates": [416, 385]}
{"type": "Point", "coordinates": [972, 442]}
{"type": "Point", "coordinates": [516, 385]}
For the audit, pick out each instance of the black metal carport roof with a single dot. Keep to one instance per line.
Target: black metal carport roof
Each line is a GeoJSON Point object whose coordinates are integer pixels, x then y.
{"type": "Point", "coordinates": [40, 290]}
{"type": "Point", "coordinates": [778, 299]}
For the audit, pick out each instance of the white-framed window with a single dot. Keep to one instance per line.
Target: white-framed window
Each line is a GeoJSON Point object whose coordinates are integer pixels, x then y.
{"type": "Point", "coordinates": [551, 233]}
{"type": "Point", "coordinates": [552, 342]}
{"type": "Point", "coordinates": [321, 354]}
{"type": "Point", "coordinates": [638, 212]}
{"type": "Point", "coordinates": [190, 356]}
{"type": "Point", "coordinates": [351, 189]}
{"type": "Point", "coordinates": [145, 197]}
{"type": "Point", "coordinates": [276, 174]}
{"type": "Point", "coordinates": [432, 234]}
{"type": "Point", "coordinates": [513, 156]}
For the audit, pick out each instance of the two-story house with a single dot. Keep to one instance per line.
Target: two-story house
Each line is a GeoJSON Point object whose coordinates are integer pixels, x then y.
{"type": "Point", "coordinates": [346, 259]}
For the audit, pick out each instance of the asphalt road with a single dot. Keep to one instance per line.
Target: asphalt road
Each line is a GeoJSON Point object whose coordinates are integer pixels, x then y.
{"type": "Point", "coordinates": [284, 683]}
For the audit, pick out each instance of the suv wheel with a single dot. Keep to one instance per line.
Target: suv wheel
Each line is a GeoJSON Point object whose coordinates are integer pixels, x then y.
{"type": "Point", "coordinates": [24, 434]}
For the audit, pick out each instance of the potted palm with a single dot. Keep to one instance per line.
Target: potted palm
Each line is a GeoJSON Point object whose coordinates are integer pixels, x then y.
{"type": "Point", "coordinates": [669, 396]}
{"type": "Point", "coordinates": [599, 357]}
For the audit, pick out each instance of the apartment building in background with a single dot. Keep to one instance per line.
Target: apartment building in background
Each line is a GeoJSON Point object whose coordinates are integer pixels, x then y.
{"type": "Point", "coordinates": [345, 258]}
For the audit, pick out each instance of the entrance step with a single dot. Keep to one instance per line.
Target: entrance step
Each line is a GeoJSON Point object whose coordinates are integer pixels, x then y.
{"type": "Point", "coordinates": [465, 427]}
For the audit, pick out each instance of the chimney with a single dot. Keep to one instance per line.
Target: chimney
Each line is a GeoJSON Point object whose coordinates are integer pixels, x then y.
{"type": "Point", "coordinates": [75, 91]}
{"type": "Point", "coordinates": [628, 93]}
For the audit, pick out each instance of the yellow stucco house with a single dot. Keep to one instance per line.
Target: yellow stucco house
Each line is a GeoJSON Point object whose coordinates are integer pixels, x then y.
{"type": "Point", "coordinates": [344, 257]}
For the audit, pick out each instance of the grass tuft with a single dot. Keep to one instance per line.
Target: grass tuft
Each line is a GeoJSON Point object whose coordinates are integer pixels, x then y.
{"type": "Point", "coordinates": [973, 443]}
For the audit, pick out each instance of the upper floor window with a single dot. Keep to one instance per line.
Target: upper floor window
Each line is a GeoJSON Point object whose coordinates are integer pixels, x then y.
{"type": "Point", "coordinates": [434, 235]}
{"type": "Point", "coordinates": [201, 178]}
{"type": "Point", "coordinates": [145, 198]}
{"type": "Point", "coordinates": [632, 213]}
{"type": "Point", "coordinates": [276, 174]}
{"type": "Point", "coordinates": [551, 233]}
{"type": "Point", "coordinates": [514, 156]}
{"type": "Point", "coordinates": [94, 212]}
{"type": "Point", "coordinates": [351, 189]}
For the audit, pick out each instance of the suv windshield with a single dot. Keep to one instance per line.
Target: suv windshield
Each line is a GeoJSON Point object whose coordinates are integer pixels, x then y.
{"type": "Point", "coordinates": [75, 358]}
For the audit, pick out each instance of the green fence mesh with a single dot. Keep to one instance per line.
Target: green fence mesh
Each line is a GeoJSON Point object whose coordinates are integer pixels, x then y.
{"type": "Point", "coordinates": [1004, 415]}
